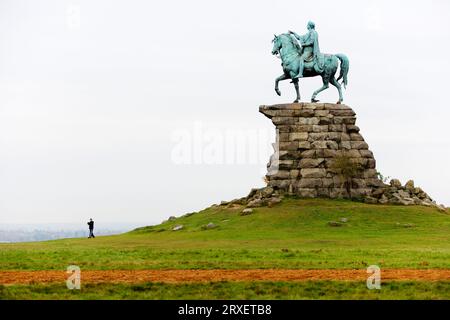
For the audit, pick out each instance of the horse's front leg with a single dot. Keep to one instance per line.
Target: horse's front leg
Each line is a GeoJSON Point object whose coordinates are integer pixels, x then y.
{"type": "Point", "coordinates": [297, 90]}
{"type": "Point", "coordinates": [277, 80]}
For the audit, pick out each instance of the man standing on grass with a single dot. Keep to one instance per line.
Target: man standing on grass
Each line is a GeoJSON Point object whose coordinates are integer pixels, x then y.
{"type": "Point", "coordinates": [91, 228]}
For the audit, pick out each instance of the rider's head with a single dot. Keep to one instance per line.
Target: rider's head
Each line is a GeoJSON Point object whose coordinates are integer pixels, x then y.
{"type": "Point", "coordinates": [311, 25]}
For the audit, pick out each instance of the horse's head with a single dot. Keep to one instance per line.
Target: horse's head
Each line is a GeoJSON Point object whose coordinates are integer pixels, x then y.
{"type": "Point", "coordinates": [276, 45]}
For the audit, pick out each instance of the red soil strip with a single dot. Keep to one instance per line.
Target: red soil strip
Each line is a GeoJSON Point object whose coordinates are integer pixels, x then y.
{"type": "Point", "coordinates": [178, 276]}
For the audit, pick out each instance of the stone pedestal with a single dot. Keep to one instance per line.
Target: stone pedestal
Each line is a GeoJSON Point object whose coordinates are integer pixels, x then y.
{"type": "Point", "coordinates": [309, 137]}
{"type": "Point", "coordinates": [314, 141]}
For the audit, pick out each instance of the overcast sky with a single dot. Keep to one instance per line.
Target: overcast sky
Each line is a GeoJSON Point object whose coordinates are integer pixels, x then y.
{"type": "Point", "coordinates": [102, 101]}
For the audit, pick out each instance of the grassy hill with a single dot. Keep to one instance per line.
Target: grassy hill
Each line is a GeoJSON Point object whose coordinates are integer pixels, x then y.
{"type": "Point", "coordinates": [295, 234]}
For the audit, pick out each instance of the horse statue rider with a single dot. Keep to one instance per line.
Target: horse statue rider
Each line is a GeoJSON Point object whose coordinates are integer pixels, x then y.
{"type": "Point", "coordinates": [310, 50]}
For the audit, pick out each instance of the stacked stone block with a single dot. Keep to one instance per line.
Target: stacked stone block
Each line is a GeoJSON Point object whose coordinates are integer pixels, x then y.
{"type": "Point", "coordinates": [308, 138]}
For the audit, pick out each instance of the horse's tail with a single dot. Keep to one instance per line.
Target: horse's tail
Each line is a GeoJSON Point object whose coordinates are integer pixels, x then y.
{"type": "Point", "coordinates": [345, 64]}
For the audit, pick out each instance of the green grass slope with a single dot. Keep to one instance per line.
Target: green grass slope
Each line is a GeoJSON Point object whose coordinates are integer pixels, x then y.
{"type": "Point", "coordinates": [292, 234]}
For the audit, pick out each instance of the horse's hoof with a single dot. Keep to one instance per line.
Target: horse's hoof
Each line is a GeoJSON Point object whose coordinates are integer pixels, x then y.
{"type": "Point", "coordinates": [278, 92]}
{"type": "Point", "coordinates": [314, 100]}
{"type": "Point", "coordinates": [339, 102]}
{"type": "Point", "coordinates": [295, 101]}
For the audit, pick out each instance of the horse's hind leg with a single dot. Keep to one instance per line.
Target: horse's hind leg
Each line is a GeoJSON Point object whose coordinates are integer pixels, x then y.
{"type": "Point", "coordinates": [325, 86]}
{"type": "Point", "coordinates": [297, 90]}
{"type": "Point", "coordinates": [338, 86]}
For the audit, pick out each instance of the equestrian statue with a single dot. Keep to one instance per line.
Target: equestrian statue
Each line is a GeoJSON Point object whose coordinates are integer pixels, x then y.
{"type": "Point", "coordinates": [301, 57]}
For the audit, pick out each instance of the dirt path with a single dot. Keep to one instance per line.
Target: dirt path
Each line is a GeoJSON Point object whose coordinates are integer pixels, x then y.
{"type": "Point", "coordinates": [177, 276]}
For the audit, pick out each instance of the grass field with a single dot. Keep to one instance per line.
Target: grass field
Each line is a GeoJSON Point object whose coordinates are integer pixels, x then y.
{"type": "Point", "coordinates": [235, 290]}
{"type": "Point", "coordinates": [292, 235]}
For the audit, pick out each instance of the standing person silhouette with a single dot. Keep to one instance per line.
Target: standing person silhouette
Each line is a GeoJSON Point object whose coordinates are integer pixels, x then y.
{"type": "Point", "coordinates": [91, 228]}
